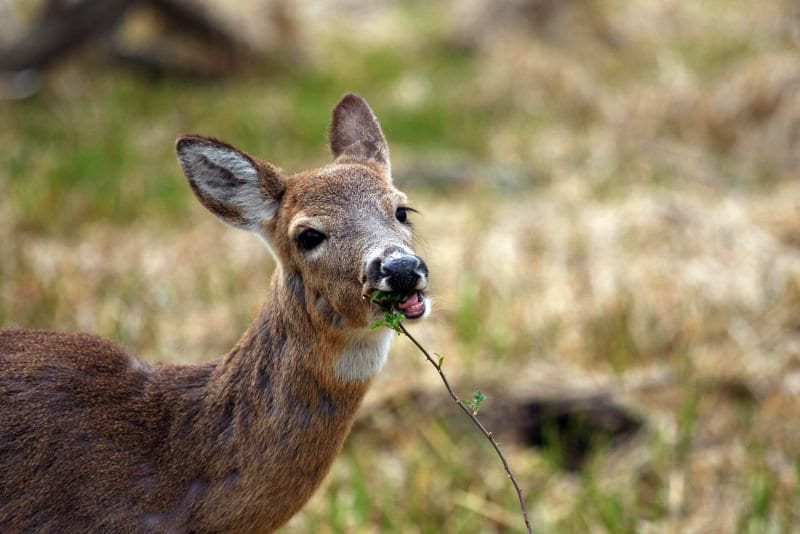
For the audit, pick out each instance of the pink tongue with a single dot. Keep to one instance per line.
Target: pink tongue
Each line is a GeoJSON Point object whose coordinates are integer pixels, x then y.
{"type": "Point", "coordinates": [411, 301]}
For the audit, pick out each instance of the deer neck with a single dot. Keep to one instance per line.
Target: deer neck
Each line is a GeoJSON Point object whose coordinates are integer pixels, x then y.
{"type": "Point", "coordinates": [278, 406]}
{"type": "Point", "coordinates": [298, 349]}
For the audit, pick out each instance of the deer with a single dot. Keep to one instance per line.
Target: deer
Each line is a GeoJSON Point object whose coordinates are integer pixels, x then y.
{"type": "Point", "coordinates": [94, 439]}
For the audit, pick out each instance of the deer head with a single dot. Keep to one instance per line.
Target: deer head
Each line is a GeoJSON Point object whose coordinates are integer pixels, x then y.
{"type": "Point", "coordinates": [338, 233]}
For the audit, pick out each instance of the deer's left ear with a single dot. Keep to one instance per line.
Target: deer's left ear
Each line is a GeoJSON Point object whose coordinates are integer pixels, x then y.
{"type": "Point", "coordinates": [355, 132]}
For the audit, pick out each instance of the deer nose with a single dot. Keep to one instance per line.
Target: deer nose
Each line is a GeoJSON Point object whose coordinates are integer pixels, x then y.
{"type": "Point", "coordinates": [404, 273]}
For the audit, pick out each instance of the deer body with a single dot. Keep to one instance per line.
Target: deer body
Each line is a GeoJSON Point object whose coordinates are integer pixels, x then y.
{"type": "Point", "coordinates": [93, 439]}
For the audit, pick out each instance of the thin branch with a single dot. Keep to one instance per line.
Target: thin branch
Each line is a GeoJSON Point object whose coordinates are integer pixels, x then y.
{"type": "Point", "coordinates": [477, 422]}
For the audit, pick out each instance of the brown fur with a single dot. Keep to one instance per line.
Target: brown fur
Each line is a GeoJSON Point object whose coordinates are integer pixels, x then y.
{"type": "Point", "coordinates": [91, 439]}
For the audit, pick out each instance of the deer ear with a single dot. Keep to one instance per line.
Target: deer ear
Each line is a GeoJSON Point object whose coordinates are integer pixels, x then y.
{"type": "Point", "coordinates": [234, 186]}
{"type": "Point", "coordinates": [355, 132]}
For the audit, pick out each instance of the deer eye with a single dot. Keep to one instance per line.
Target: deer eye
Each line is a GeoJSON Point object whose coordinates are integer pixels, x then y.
{"type": "Point", "coordinates": [402, 215]}
{"type": "Point", "coordinates": [309, 239]}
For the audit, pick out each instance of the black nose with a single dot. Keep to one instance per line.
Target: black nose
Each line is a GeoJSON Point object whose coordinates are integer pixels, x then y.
{"type": "Point", "coordinates": [402, 274]}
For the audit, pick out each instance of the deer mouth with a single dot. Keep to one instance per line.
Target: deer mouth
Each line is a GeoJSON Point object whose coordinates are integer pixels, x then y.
{"type": "Point", "coordinates": [413, 306]}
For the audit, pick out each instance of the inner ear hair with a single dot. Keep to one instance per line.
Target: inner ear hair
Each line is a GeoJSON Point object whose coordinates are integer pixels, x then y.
{"type": "Point", "coordinates": [234, 186]}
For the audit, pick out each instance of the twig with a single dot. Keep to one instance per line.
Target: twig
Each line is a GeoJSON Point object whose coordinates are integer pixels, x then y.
{"type": "Point", "coordinates": [471, 414]}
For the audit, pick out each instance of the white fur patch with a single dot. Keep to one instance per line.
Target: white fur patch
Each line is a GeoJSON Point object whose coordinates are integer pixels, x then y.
{"type": "Point", "coordinates": [365, 356]}
{"type": "Point", "coordinates": [228, 159]}
{"type": "Point", "coordinates": [138, 365]}
{"type": "Point", "coordinates": [428, 308]}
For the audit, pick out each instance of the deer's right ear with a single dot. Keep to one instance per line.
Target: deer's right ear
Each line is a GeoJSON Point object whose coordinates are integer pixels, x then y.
{"type": "Point", "coordinates": [237, 188]}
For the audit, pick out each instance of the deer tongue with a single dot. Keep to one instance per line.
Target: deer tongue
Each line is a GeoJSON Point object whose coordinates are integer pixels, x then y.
{"type": "Point", "coordinates": [413, 305]}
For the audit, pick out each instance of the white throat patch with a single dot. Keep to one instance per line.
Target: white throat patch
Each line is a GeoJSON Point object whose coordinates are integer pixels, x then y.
{"type": "Point", "coordinates": [365, 356]}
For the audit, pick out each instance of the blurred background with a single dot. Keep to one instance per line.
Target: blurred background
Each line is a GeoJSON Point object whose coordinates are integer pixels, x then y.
{"type": "Point", "coordinates": [610, 210]}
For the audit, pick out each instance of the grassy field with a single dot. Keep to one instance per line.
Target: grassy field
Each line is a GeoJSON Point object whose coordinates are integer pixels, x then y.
{"type": "Point", "coordinates": [610, 204]}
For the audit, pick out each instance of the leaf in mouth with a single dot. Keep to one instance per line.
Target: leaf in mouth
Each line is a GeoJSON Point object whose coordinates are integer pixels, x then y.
{"type": "Point", "coordinates": [387, 300]}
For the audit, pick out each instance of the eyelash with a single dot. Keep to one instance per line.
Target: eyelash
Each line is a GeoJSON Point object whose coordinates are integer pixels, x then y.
{"type": "Point", "coordinates": [401, 214]}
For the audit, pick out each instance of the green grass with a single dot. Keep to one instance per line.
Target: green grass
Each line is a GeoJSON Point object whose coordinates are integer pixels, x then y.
{"type": "Point", "coordinates": [107, 153]}
{"type": "Point", "coordinates": [104, 151]}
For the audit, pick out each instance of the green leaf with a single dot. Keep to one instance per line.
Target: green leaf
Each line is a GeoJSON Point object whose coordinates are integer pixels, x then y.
{"type": "Point", "coordinates": [386, 299]}
{"type": "Point", "coordinates": [392, 320]}
{"type": "Point", "coordinates": [441, 358]}
{"type": "Point", "coordinates": [475, 403]}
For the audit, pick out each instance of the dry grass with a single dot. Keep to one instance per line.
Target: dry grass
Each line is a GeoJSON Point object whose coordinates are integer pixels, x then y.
{"type": "Point", "coordinates": [615, 207]}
